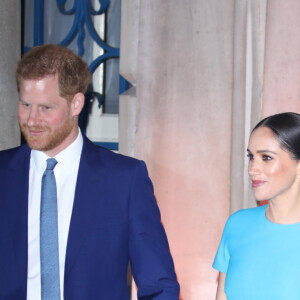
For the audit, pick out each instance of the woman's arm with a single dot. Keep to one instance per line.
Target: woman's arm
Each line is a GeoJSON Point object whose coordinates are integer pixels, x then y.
{"type": "Point", "coordinates": [221, 287]}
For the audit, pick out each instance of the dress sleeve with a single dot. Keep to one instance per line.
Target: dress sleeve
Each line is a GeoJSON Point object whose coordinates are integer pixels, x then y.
{"type": "Point", "coordinates": [222, 258]}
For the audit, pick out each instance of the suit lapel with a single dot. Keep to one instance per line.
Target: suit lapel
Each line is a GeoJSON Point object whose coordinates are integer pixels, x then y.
{"type": "Point", "coordinates": [88, 191]}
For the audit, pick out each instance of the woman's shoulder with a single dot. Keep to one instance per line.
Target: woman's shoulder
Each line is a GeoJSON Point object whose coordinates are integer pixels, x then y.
{"type": "Point", "coordinates": [247, 215]}
{"type": "Point", "coordinates": [249, 211]}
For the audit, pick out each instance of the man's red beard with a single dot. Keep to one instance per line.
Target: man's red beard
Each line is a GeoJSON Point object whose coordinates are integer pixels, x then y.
{"type": "Point", "coordinates": [50, 139]}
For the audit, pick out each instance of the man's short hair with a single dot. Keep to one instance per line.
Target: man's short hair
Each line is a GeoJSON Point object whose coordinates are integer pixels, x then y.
{"type": "Point", "coordinates": [47, 60]}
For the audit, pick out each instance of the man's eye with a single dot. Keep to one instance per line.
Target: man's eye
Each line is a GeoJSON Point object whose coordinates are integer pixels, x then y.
{"type": "Point", "coordinates": [45, 108]}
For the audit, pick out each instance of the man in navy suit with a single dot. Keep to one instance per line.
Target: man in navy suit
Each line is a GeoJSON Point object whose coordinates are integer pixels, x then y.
{"type": "Point", "coordinates": [107, 214]}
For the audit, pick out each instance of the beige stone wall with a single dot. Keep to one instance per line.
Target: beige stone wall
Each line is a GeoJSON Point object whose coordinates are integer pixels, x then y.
{"type": "Point", "coordinates": [183, 128]}
{"type": "Point", "coordinates": [204, 73]}
{"type": "Point", "coordinates": [282, 58]}
{"type": "Point", "coordinates": [182, 123]}
{"type": "Point", "coordinates": [10, 49]}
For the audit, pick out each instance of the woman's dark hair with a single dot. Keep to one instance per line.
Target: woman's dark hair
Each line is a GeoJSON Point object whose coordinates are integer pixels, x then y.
{"type": "Point", "coordinates": [286, 129]}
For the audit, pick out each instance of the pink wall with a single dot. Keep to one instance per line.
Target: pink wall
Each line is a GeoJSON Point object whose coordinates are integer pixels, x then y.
{"type": "Point", "coordinates": [282, 58]}
{"type": "Point", "coordinates": [184, 129]}
{"type": "Point", "coordinates": [182, 66]}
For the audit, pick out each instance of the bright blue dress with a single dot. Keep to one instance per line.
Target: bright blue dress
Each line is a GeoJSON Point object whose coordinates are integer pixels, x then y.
{"type": "Point", "coordinates": [261, 259]}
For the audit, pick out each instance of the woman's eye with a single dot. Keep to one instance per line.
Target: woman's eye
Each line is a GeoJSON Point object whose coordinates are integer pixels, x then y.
{"type": "Point", "coordinates": [266, 157]}
{"type": "Point", "coordinates": [250, 156]}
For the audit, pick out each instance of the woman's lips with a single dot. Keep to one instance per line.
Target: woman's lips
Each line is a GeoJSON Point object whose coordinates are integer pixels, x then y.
{"type": "Point", "coordinates": [257, 183]}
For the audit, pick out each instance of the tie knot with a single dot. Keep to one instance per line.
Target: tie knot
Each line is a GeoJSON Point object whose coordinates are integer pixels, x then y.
{"type": "Point", "coordinates": [51, 163]}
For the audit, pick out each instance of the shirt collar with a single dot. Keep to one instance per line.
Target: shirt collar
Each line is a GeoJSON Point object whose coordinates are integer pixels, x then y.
{"type": "Point", "coordinates": [64, 158]}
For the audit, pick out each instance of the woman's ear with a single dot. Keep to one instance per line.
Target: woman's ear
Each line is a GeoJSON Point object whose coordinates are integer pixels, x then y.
{"type": "Point", "coordinates": [77, 104]}
{"type": "Point", "coordinates": [298, 167]}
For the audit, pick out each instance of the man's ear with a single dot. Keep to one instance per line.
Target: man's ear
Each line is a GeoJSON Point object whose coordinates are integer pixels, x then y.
{"type": "Point", "coordinates": [77, 104]}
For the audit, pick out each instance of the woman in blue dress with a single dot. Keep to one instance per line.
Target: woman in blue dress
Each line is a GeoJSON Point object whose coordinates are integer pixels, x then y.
{"type": "Point", "coordinates": [259, 254]}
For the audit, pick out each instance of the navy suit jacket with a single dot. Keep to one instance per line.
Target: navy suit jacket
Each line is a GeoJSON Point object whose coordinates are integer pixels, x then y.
{"type": "Point", "coordinates": [115, 219]}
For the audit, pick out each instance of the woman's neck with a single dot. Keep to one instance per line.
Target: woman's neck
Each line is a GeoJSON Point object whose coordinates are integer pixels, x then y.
{"type": "Point", "coordinates": [284, 211]}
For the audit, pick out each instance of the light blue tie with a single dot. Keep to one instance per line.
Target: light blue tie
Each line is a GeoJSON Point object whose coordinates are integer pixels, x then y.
{"type": "Point", "coordinates": [49, 235]}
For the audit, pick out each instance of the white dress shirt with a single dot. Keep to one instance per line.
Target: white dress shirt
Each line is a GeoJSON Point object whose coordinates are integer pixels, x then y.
{"type": "Point", "coordinates": [65, 173]}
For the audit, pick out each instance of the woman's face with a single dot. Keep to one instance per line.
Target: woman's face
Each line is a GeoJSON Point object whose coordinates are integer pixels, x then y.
{"type": "Point", "coordinates": [272, 171]}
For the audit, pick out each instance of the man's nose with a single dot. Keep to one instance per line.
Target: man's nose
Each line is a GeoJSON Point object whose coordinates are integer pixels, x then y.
{"type": "Point", "coordinates": [33, 117]}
